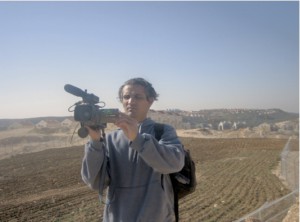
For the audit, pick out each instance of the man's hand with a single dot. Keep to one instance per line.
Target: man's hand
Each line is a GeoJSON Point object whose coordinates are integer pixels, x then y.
{"type": "Point", "coordinates": [128, 125]}
{"type": "Point", "coordinates": [95, 135]}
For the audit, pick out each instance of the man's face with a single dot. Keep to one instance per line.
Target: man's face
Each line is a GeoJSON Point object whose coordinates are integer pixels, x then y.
{"type": "Point", "coordinates": [135, 102]}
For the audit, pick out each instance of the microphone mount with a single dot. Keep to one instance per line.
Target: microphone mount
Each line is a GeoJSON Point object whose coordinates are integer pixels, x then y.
{"type": "Point", "coordinates": [86, 97]}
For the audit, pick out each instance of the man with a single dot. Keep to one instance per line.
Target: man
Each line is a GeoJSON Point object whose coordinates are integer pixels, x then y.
{"type": "Point", "coordinates": [132, 163]}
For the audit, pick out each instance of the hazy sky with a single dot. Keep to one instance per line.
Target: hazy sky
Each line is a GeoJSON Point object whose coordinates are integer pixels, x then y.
{"type": "Point", "coordinates": [198, 55]}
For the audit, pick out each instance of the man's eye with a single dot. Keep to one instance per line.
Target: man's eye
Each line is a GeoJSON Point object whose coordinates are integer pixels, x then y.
{"type": "Point", "coordinates": [126, 97]}
{"type": "Point", "coordinates": [135, 97]}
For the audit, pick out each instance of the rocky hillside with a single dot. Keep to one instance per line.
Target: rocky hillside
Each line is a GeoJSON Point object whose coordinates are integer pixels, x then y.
{"type": "Point", "coordinates": [245, 117]}
{"type": "Point", "coordinates": [30, 135]}
{"type": "Point", "coordinates": [208, 121]}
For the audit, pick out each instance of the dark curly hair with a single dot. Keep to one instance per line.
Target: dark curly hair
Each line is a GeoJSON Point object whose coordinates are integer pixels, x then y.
{"type": "Point", "coordinates": [149, 90]}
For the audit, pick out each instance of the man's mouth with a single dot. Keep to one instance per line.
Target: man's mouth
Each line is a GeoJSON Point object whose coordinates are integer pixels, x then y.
{"type": "Point", "coordinates": [131, 109]}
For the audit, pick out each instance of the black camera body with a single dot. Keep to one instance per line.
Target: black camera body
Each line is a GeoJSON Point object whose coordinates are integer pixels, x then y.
{"type": "Point", "coordinates": [92, 115]}
{"type": "Point", "coordinates": [88, 113]}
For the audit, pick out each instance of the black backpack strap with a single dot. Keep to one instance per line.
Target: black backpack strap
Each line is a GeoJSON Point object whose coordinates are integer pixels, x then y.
{"type": "Point", "coordinates": [176, 207]}
{"type": "Point", "coordinates": [159, 130]}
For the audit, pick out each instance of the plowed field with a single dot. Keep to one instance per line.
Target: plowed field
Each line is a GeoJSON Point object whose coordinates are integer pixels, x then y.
{"type": "Point", "coordinates": [234, 178]}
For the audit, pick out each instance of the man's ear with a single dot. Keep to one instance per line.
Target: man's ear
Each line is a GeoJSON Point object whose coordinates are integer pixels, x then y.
{"type": "Point", "coordinates": [151, 100]}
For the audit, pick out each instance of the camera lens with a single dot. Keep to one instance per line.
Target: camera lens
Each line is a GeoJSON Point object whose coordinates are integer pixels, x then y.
{"type": "Point", "coordinates": [83, 132]}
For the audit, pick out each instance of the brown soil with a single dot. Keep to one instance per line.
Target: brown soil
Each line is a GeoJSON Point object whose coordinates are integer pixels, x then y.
{"type": "Point", "coordinates": [234, 178]}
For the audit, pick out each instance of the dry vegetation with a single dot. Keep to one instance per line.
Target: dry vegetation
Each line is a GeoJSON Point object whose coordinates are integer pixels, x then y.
{"type": "Point", "coordinates": [234, 178]}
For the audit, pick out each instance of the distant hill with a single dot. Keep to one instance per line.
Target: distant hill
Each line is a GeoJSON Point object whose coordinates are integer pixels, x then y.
{"type": "Point", "coordinates": [27, 135]}
{"type": "Point", "coordinates": [194, 119]}
{"type": "Point", "coordinates": [5, 123]}
{"type": "Point", "coordinates": [248, 117]}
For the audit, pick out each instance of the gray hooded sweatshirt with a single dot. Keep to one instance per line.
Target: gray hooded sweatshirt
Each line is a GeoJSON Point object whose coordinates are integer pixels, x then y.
{"type": "Point", "coordinates": [135, 172]}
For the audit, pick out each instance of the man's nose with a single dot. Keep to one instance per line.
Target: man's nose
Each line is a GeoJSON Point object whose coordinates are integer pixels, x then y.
{"type": "Point", "coordinates": [131, 99]}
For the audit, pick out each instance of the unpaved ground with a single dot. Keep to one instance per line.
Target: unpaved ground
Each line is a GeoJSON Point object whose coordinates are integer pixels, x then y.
{"type": "Point", "coordinates": [234, 178]}
{"type": "Point", "coordinates": [235, 174]}
{"type": "Point", "coordinates": [241, 133]}
{"type": "Point", "coordinates": [31, 139]}
{"type": "Point", "coordinates": [28, 140]}
{"type": "Point", "coordinates": [293, 213]}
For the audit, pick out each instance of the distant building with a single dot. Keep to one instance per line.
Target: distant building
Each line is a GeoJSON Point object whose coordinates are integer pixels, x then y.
{"type": "Point", "coordinates": [47, 124]}
{"type": "Point", "coordinates": [234, 126]}
{"type": "Point", "coordinates": [221, 126]}
{"type": "Point", "coordinates": [41, 124]}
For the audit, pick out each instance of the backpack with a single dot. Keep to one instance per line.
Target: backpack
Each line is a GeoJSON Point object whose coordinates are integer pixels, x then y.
{"type": "Point", "coordinates": [183, 182]}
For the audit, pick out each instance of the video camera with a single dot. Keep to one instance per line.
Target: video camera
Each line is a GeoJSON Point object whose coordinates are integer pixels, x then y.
{"type": "Point", "coordinates": [88, 113]}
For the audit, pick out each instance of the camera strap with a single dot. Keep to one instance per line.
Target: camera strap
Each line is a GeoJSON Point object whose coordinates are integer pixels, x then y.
{"type": "Point", "coordinates": [103, 171]}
